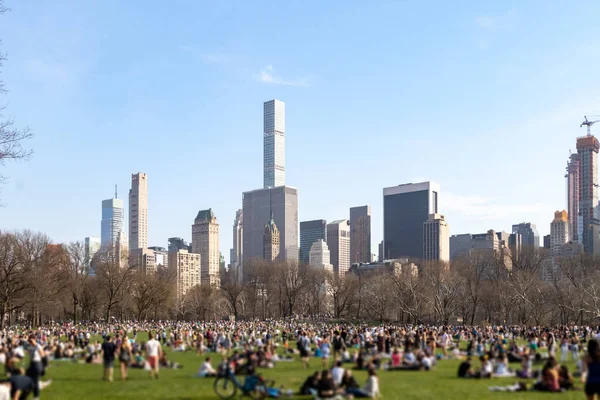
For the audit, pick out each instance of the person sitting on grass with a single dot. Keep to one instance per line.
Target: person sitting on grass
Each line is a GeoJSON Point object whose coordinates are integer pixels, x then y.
{"type": "Point", "coordinates": [349, 383]}
{"type": "Point", "coordinates": [487, 368]}
{"type": "Point", "coordinates": [206, 369]}
{"type": "Point", "coordinates": [565, 378]}
{"type": "Point", "coordinates": [337, 373]}
{"type": "Point", "coordinates": [371, 388]}
{"type": "Point", "coordinates": [549, 381]}
{"type": "Point", "coordinates": [465, 369]}
{"type": "Point", "coordinates": [326, 387]}
{"type": "Point", "coordinates": [526, 368]}
{"type": "Point", "coordinates": [310, 384]}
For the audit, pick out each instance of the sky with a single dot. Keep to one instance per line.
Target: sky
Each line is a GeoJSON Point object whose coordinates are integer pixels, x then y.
{"type": "Point", "coordinates": [484, 98]}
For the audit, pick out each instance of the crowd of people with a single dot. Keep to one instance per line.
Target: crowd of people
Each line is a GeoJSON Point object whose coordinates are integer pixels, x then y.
{"type": "Point", "coordinates": [246, 347]}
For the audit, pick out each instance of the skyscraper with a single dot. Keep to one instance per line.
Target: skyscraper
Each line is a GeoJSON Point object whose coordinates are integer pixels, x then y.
{"type": "Point", "coordinates": [91, 247]}
{"type": "Point", "coordinates": [274, 143]}
{"type": "Point", "coordinates": [319, 256]}
{"type": "Point", "coordinates": [186, 269]}
{"type": "Point", "coordinates": [258, 206]}
{"type": "Point", "coordinates": [205, 241]}
{"type": "Point", "coordinates": [238, 244]}
{"type": "Point", "coordinates": [559, 231]}
{"type": "Point", "coordinates": [405, 210]}
{"type": "Point", "coordinates": [572, 178]}
{"type": "Point", "coordinates": [112, 222]}
{"type": "Point", "coordinates": [529, 234]}
{"type": "Point", "coordinates": [436, 239]}
{"type": "Point", "coordinates": [360, 234]}
{"type": "Point", "coordinates": [338, 241]}
{"type": "Point", "coordinates": [271, 243]}
{"type": "Point", "coordinates": [177, 243]}
{"type": "Point", "coordinates": [138, 212]}
{"type": "Point", "coordinates": [587, 149]}
{"type": "Point", "coordinates": [310, 232]}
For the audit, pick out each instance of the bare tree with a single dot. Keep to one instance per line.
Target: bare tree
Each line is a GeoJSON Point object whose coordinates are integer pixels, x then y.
{"type": "Point", "coordinates": [113, 278]}
{"type": "Point", "coordinates": [232, 290]}
{"type": "Point", "coordinates": [12, 269]}
{"type": "Point", "coordinates": [11, 138]}
{"type": "Point", "coordinates": [77, 273]}
{"type": "Point", "coordinates": [343, 292]}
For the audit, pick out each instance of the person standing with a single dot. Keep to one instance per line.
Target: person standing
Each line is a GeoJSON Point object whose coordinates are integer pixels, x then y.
{"type": "Point", "coordinates": [153, 354]}
{"type": "Point", "coordinates": [108, 356]}
{"type": "Point", "coordinates": [36, 367]}
{"type": "Point", "coordinates": [591, 370]}
{"type": "Point", "coordinates": [125, 356]}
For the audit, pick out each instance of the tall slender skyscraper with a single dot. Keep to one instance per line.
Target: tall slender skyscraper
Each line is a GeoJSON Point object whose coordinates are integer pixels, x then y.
{"type": "Point", "coordinates": [274, 143]}
{"type": "Point", "coordinates": [238, 245]}
{"type": "Point", "coordinates": [138, 212]}
{"type": "Point", "coordinates": [205, 241]}
{"type": "Point", "coordinates": [360, 234]}
{"type": "Point", "coordinates": [572, 177]}
{"type": "Point", "coordinates": [111, 227]}
{"type": "Point", "coordinates": [587, 148]}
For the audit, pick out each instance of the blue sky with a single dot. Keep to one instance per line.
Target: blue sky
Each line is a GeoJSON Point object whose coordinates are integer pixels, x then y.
{"type": "Point", "coordinates": [484, 98]}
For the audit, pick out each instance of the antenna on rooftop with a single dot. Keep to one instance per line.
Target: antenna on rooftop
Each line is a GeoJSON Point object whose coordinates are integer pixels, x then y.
{"type": "Point", "coordinates": [115, 191]}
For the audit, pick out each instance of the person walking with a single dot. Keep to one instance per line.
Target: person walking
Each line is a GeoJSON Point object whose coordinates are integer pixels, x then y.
{"type": "Point", "coordinates": [125, 356]}
{"type": "Point", "coordinates": [36, 366]}
{"type": "Point", "coordinates": [153, 354]}
{"type": "Point", "coordinates": [108, 357]}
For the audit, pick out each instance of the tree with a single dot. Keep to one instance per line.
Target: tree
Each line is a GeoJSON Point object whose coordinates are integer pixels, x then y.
{"type": "Point", "coordinates": [11, 138]}
{"type": "Point", "coordinates": [77, 274]}
{"type": "Point", "coordinates": [232, 290]}
{"type": "Point", "coordinates": [342, 291]}
{"type": "Point", "coordinates": [12, 270]}
{"type": "Point", "coordinates": [113, 280]}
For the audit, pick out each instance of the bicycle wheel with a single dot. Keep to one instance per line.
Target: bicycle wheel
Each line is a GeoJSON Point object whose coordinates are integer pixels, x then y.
{"type": "Point", "coordinates": [225, 388]}
{"type": "Point", "coordinates": [259, 392]}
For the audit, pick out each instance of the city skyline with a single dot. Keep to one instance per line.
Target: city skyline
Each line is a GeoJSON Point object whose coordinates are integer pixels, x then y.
{"type": "Point", "coordinates": [59, 96]}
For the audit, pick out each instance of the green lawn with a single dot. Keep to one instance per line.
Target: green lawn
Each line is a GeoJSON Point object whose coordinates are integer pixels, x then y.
{"type": "Point", "coordinates": [73, 381]}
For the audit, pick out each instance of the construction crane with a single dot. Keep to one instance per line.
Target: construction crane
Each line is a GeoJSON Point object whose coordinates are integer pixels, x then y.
{"type": "Point", "coordinates": [589, 123]}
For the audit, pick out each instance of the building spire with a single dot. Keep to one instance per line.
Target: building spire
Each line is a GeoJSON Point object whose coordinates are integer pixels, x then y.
{"type": "Point", "coordinates": [115, 191]}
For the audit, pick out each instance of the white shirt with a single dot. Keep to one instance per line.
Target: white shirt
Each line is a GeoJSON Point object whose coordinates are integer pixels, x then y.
{"type": "Point", "coordinates": [152, 348]}
{"type": "Point", "coordinates": [337, 373]}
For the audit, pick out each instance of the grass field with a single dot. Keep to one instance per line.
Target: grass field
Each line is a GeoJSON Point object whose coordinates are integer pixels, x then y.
{"type": "Point", "coordinates": [75, 381]}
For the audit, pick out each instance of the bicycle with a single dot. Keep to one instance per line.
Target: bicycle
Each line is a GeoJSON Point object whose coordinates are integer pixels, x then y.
{"type": "Point", "coordinates": [227, 384]}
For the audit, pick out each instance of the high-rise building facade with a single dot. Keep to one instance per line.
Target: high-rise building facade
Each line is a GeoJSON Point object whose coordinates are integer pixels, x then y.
{"type": "Point", "coordinates": [186, 269]}
{"type": "Point", "coordinates": [310, 232]}
{"type": "Point", "coordinates": [319, 256]}
{"type": "Point", "coordinates": [274, 143]}
{"type": "Point", "coordinates": [236, 255]}
{"type": "Point", "coordinates": [91, 247]}
{"type": "Point", "coordinates": [177, 243]}
{"type": "Point", "coordinates": [271, 241]}
{"type": "Point", "coordinates": [405, 210]}
{"type": "Point", "coordinates": [572, 178]}
{"type": "Point", "coordinates": [529, 234]}
{"type": "Point", "coordinates": [143, 260]}
{"type": "Point", "coordinates": [436, 239]}
{"type": "Point", "coordinates": [138, 212]}
{"type": "Point", "coordinates": [258, 207]}
{"type": "Point", "coordinates": [559, 231]}
{"type": "Point", "coordinates": [112, 222]}
{"type": "Point", "coordinates": [360, 234]}
{"type": "Point", "coordinates": [338, 241]}
{"type": "Point", "coordinates": [161, 257]}
{"type": "Point", "coordinates": [587, 149]}
{"type": "Point", "coordinates": [205, 241]}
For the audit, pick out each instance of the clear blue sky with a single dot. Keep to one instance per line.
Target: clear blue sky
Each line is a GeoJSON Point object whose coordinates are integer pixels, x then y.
{"type": "Point", "coordinates": [484, 98]}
